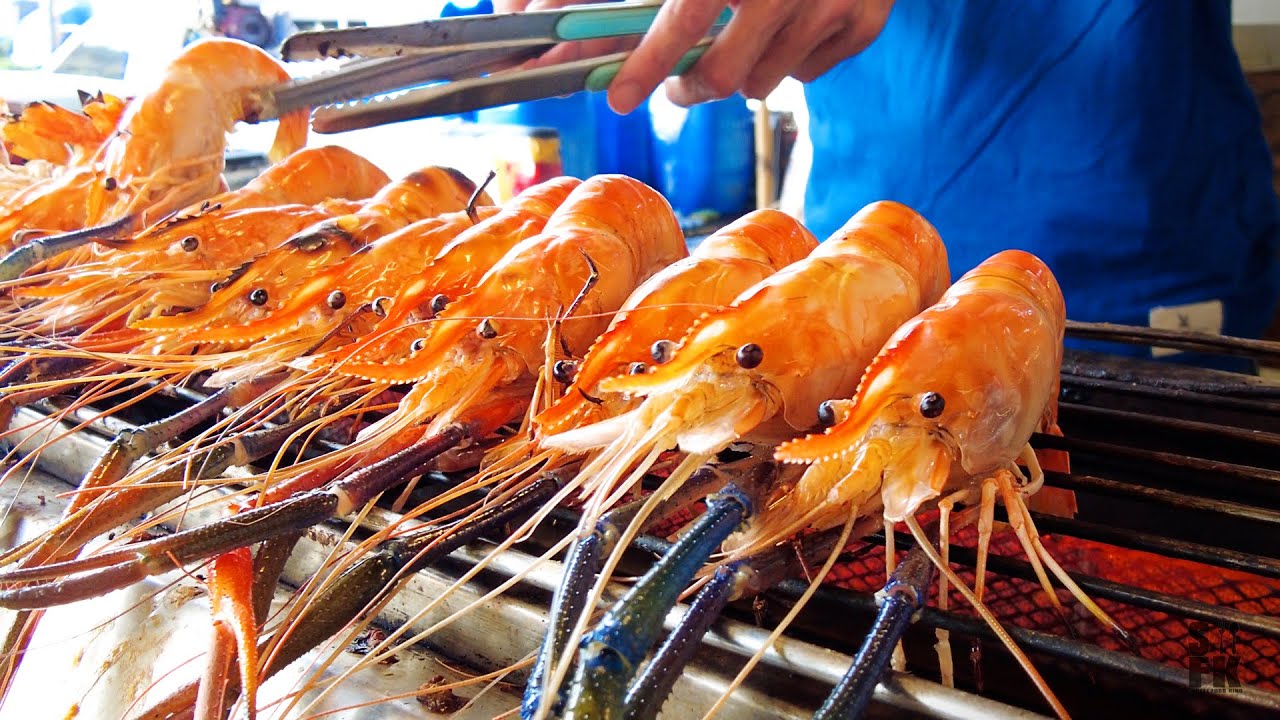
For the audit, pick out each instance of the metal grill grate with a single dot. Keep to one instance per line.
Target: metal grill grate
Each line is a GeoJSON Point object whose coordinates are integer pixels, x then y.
{"type": "Point", "coordinates": [1177, 474]}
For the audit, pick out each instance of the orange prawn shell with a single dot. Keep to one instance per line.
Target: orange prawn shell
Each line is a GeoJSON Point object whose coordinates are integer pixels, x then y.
{"type": "Point", "coordinates": [310, 176]}
{"type": "Point", "coordinates": [209, 82]}
{"type": "Point", "coordinates": [626, 229]}
{"type": "Point", "coordinates": [58, 135]}
{"type": "Point", "coordinates": [722, 267]}
{"type": "Point", "coordinates": [282, 270]}
{"type": "Point", "coordinates": [168, 150]}
{"type": "Point", "coordinates": [992, 348]}
{"type": "Point", "coordinates": [361, 277]}
{"type": "Point", "coordinates": [813, 319]}
{"type": "Point", "coordinates": [460, 265]}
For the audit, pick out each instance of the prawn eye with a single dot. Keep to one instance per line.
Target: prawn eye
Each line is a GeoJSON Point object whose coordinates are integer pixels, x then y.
{"type": "Point", "coordinates": [439, 303]}
{"type": "Point", "coordinates": [564, 371]}
{"type": "Point", "coordinates": [110, 184]}
{"type": "Point", "coordinates": [336, 300]}
{"type": "Point", "coordinates": [826, 414]}
{"type": "Point", "coordinates": [417, 345]}
{"type": "Point", "coordinates": [487, 330]}
{"type": "Point", "coordinates": [258, 296]}
{"type": "Point", "coordinates": [189, 243]}
{"type": "Point", "coordinates": [380, 305]}
{"type": "Point", "coordinates": [661, 351]}
{"type": "Point", "coordinates": [637, 368]}
{"type": "Point", "coordinates": [932, 404]}
{"type": "Point", "coordinates": [749, 356]}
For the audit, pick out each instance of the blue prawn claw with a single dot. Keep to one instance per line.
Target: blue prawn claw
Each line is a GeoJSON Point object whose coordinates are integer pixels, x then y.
{"type": "Point", "coordinates": [611, 654]}
{"type": "Point", "coordinates": [906, 592]}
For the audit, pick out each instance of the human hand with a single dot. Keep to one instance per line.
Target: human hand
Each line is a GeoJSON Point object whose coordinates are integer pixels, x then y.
{"type": "Point", "coordinates": [766, 41]}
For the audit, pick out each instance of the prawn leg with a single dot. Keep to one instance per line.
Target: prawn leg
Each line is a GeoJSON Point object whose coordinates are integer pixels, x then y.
{"type": "Point", "coordinates": [117, 506]}
{"type": "Point", "coordinates": [906, 593]}
{"type": "Point", "coordinates": [647, 694]}
{"type": "Point", "coordinates": [1017, 520]}
{"type": "Point", "coordinates": [738, 579]}
{"type": "Point", "coordinates": [943, 645]}
{"type": "Point", "coordinates": [611, 654]}
{"type": "Point", "coordinates": [580, 568]}
{"type": "Point", "coordinates": [26, 256]}
{"type": "Point", "coordinates": [99, 574]}
{"type": "Point", "coordinates": [231, 579]}
{"type": "Point", "coordinates": [133, 444]}
{"type": "Point", "coordinates": [355, 592]}
{"type": "Point", "coordinates": [986, 525]}
{"type": "Point", "coordinates": [1019, 508]}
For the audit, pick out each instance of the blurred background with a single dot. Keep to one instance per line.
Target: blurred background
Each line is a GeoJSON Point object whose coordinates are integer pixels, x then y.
{"type": "Point", "coordinates": [710, 161]}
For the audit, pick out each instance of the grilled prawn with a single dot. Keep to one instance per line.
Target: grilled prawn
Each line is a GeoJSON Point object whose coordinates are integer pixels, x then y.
{"type": "Point", "coordinates": [167, 151]}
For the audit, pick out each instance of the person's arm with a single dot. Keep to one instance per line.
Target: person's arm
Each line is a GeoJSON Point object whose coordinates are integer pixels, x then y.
{"type": "Point", "coordinates": [766, 41]}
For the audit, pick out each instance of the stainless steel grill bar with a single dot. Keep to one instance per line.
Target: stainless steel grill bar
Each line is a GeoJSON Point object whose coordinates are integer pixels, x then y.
{"type": "Point", "coordinates": [1177, 339]}
{"type": "Point", "coordinates": [1243, 462]}
{"type": "Point", "coordinates": [1136, 421]}
{"type": "Point", "coordinates": [1073, 384]}
{"type": "Point", "coordinates": [1269, 478]}
{"type": "Point", "coordinates": [1225, 508]}
{"type": "Point", "coordinates": [1181, 549]}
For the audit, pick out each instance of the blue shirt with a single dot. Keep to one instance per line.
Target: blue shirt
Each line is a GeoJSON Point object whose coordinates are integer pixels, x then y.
{"type": "Point", "coordinates": [1116, 139]}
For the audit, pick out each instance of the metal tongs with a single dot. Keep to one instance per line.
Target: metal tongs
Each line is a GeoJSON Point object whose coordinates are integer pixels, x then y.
{"type": "Point", "coordinates": [476, 56]}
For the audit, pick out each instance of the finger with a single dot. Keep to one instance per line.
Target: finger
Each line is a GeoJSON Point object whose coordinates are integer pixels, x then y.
{"type": "Point", "coordinates": [502, 7]}
{"type": "Point", "coordinates": [550, 4]}
{"type": "Point", "coordinates": [796, 42]}
{"type": "Point", "coordinates": [571, 51]}
{"type": "Point", "coordinates": [826, 56]}
{"type": "Point", "coordinates": [857, 35]}
{"type": "Point", "coordinates": [680, 24]}
{"type": "Point", "coordinates": [738, 48]}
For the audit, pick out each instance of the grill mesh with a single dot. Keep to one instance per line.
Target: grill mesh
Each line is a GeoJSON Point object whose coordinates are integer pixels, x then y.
{"type": "Point", "coordinates": [1159, 636]}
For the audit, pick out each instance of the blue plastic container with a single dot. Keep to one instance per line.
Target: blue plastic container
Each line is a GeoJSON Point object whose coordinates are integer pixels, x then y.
{"type": "Point", "coordinates": [593, 138]}
{"type": "Point", "coordinates": [704, 156]}
{"type": "Point", "coordinates": [572, 117]}
{"type": "Point", "coordinates": [623, 142]}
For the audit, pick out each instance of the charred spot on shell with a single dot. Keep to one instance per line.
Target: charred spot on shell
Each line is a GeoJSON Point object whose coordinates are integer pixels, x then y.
{"type": "Point", "coordinates": [189, 243]}
{"type": "Point", "coordinates": [661, 351]}
{"type": "Point", "coordinates": [439, 303]}
{"type": "Point", "coordinates": [235, 275]}
{"type": "Point", "coordinates": [311, 242]}
{"type": "Point", "coordinates": [637, 368]}
{"type": "Point", "coordinates": [749, 356]}
{"type": "Point", "coordinates": [464, 182]}
{"type": "Point", "coordinates": [337, 230]}
{"type": "Point", "coordinates": [932, 404]}
{"type": "Point", "coordinates": [487, 330]}
{"type": "Point", "coordinates": [380, 305]}
{"type": "Point", "coordinates": [336, 300]}
{"type": "Point", "coordinates": [110, 184]}
{"type": "Point", "coordinates": [826, 414]}
{"type": "Point", "coordinates": [417, 345]}
{"type": "Point", "coordinates": [258, 296]}
{"type": "Point", "coordinates": [564, 371]}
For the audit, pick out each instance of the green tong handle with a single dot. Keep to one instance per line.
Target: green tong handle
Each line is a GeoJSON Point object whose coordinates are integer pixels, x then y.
{"type": "Point", "coordinates": [598, 79]}
{"type": "Point", "coordinates": [605, 21]}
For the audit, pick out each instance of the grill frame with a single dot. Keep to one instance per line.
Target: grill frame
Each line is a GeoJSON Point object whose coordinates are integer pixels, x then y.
{"type": "Point", "coordinates": [1144, 397]}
